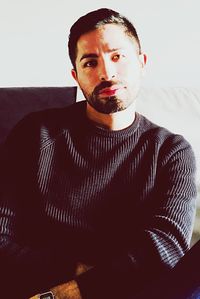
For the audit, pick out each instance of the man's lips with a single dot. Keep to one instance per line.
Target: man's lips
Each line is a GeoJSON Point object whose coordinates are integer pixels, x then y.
{"type": "Point", "coordinates": [109, 91]}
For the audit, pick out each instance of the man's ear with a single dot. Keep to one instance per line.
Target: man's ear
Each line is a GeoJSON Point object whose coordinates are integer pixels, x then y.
{"type": "Point", "coordinates": [143, 59]}
{"type": "Point", "coordinates": [74, 74]}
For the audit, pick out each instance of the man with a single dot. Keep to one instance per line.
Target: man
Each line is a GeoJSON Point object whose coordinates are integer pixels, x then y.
{"type": "Point", "coordinates": [97, 201]}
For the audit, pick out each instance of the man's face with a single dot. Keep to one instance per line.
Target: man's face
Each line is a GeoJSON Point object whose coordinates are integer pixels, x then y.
{"type": "Point", "coordinates": [108, 68]}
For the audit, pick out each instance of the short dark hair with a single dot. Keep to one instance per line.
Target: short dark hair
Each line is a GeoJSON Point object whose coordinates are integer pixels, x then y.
{"type": "Point", "coordinates": [94, 20]}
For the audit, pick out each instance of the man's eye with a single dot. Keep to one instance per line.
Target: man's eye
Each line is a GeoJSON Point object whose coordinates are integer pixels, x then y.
{"type": "Point", "coordinates": [116, 57]}
{"type": "Point", "coordinates": [90, 63]}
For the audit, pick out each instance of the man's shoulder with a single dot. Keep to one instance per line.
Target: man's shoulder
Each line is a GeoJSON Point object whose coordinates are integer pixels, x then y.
{"type": "Point", "coordinates": [161, 135]}
{"type": "Point", "coordinates": [56, 116]}
{"type": "Point", "coordinates": [46, 123]}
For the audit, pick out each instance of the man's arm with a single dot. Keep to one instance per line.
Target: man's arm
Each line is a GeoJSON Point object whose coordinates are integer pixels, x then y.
{"type": "Point", "coordinates": [27, 266]}
{"type": "Point", "coordinates": [164, 235]}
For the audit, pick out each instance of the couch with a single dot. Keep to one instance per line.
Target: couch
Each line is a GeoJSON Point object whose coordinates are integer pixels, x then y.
{"type": "Point", "coordinates": [177, 109]}
{"type": "Point", "coordinates": [16, 102]}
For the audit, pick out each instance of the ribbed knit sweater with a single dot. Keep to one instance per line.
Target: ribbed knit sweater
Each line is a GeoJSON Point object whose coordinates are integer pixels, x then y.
{"type": "Point", "coordinates": [121, 201]}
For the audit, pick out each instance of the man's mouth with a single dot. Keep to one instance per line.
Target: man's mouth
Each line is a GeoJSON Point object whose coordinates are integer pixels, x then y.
{"type": "Point", "coordinates": [111, 91]}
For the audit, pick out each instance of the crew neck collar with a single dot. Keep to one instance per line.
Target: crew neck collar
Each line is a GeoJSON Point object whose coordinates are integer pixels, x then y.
{"type": "Point", "coordinates": [114, 133]}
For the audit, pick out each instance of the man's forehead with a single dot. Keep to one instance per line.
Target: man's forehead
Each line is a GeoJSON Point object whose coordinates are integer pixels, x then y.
{"type": "Point", "coordinates": [109, 37]}
{"type": "Point", "coordinates": [103, 32]}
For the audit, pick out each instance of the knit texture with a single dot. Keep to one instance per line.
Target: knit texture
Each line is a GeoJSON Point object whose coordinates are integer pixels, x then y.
{"type": "Point", "coordinates": [121, 201]}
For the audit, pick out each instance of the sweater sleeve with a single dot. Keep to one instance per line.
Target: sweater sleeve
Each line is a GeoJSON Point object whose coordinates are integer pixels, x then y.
{"type": "Point", "coordinates": [165, 232]}
{"type": "Point", "coordinates": [26, 266]}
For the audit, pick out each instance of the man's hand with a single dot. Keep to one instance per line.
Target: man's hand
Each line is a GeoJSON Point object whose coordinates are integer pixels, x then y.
{"type": "Point", "coordinates": [67, 290]}
{"type": "Point", "coordinates": [81, 268]}
{"type": "Point", "coordinates": [70, 289]}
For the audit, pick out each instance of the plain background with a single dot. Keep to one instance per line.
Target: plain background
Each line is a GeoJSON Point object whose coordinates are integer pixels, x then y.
{"type": "Point", "coordinates": [34, 33]}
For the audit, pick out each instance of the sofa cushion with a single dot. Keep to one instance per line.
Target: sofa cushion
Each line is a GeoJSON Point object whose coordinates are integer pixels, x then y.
{"type": "Point", "coordinates": [16, 102]}
{"type": "Point", "coordinates": [177, 109]}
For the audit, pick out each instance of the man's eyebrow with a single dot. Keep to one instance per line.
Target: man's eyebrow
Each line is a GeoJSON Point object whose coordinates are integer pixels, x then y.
{"type": "Point", "coordinates": [89, 55]}
{"type": "Point", "coordinates": [114, 49]}
{"type": "Point", "coordinates": [93, 55]}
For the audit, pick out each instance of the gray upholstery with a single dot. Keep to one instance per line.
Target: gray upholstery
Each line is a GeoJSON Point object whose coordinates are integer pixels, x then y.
{"type": "Point", "coordinates": [16, 102]}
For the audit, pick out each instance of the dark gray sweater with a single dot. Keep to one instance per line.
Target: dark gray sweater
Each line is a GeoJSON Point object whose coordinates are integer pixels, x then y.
{"type": "Point", "coordinates": [121, 201]}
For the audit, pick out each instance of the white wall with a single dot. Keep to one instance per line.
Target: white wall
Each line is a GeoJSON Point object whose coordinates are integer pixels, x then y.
{"type": "Point", "coordinates": [33, 39]}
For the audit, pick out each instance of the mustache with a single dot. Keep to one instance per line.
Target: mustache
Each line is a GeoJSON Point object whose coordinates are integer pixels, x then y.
{"type": "Point", "coordinates": [104, 84]}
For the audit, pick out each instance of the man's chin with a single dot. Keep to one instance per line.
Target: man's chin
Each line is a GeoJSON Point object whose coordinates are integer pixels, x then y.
{"type": "Point", "coordinates": [107, 105]}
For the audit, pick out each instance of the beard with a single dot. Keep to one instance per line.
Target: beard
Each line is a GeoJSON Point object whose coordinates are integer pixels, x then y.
{"type": "Point", "coordinates": [106, 105]}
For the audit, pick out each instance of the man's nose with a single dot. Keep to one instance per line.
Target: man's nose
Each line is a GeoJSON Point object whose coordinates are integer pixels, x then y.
{"type": "Point", "coordinates": [107, 71]}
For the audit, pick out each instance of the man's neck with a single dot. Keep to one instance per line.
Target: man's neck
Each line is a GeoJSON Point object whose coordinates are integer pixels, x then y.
{"type": "Point", "coordinates": [115, 121]}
